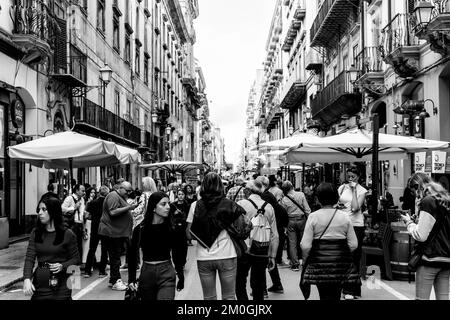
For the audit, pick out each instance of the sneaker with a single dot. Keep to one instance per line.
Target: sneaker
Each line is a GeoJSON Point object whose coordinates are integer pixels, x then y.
{"type": "Point", "coordinates": [87, 274]}
{"type": "Point", "coordinates": [119, 286]}
{"type": "Point", "coordinates": [102, 274]}
{"type": "Point", "coordinates": [110, 285]}
{"type": "Point", "coordinates": [349, 297]}
{"type": "Point", "coordinates": [276, 289]}
{"type": "Point", "coordinates": [295, 268]}
{"type": "Point", "coordinates": [283, 265]}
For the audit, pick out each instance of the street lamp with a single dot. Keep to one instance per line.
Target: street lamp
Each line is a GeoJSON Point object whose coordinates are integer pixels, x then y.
{"type": "Point", "coordinates": [291, 130]}
{"type": "Point", "coordinates": [353, 74]}
{"type": "Point", "coordinates": [168, 130]}
{"type": "Point", "coordinates": [423, 13]}
{"type": "Point", "coordinates": [105, 75]}
{"type": "Point", "coordinates": [154, 117]}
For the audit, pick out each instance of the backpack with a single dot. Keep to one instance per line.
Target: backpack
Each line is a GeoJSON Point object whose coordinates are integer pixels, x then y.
{"type": "Point", "coordinates": [239, 231]}
{"type": "Point", "coordinates": [260, 233]}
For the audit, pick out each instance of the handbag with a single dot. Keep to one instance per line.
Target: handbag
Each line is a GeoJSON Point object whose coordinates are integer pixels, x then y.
{"type": "Point", "coordinates": [238, 231]}
{"type": "Point", "coordinates": [132, 295]}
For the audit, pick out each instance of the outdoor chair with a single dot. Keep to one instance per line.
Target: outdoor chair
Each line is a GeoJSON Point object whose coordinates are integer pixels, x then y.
{"type": "Point", "coordinates": [384, 237]}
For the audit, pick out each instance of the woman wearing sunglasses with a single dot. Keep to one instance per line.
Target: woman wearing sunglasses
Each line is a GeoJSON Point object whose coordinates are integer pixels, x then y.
{"type": "Point", "coordinates": [432, 235]}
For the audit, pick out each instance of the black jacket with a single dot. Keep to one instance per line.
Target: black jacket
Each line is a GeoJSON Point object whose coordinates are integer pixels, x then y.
{"type": "Point", "coordinates": [208, 223]}
{"type": "Point", "coordinates": [281, 215]}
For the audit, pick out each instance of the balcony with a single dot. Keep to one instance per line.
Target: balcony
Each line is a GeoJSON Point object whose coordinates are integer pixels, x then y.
{"type": "Point", "coordinates": [313, 61]}
{"type": "Point", "coordinates": [274, 117]}
{"type": "Point", "coordinates": [370, 65]}
{"type": "Point", "coordinates": [151, 142]}
{"type": "Point", "coordinates": [293, 93]}
{"type": "Point", "coordinates": [35, 31]}
{"type": "Point", "coordinates": [400, 47]}
{"type": "Point", "coordinates": [76, 75]}
{"type": "Point", "coordinates": [334, 17]}
{"type": "Point", "coordinates": [335, 100]}
{"type": "Point", "coordinates": [437, 32]}
{"type": "Point", "coordinates": [95, 119]}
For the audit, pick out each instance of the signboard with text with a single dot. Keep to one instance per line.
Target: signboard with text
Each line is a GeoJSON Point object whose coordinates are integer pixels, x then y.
{"type": "Point", "coordinates": [429, 162]}
{"type": "Point", "coordinates": [438, 158]}
{"type": "Point", "coordinates": [419, 162]}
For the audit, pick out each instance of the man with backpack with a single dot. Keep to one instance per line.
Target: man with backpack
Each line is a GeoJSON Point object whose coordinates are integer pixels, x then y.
{"type": "Point", "coordinates": [298, 210]}
{"type": "Point", "coordinates": [262, 243]}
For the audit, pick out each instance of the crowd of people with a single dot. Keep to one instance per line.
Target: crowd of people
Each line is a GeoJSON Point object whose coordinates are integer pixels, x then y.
{"type": "Point", "coordinates": [241, 231]}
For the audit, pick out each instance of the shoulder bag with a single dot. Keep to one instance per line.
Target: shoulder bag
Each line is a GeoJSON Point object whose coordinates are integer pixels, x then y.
{"type": "Point", "coordinates": [297, 204]}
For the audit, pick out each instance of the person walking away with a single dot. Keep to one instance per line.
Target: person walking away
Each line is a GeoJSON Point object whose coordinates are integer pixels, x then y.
{"type": "Point", "coordinates": [282, 220]}
{"type": "Point", "coordinates": [179, 211]}
{"type": "Point", "coordinates": [55, 248]}
{"type": "Point", "coordinates": [157, 277]}
{"type": "Point", "coordinates": [352, 196]}
{"type": "Point", "coordinates": [215, 249]}
{"type": "Point", "coordinates": [274, 189]}
{"type": "Point", "coordinates": [237, 193]}
{"type": "Point", "coordinates": [115, 228]}
{"type": "Point", "coordinates": [148, 188]}
{"type": "Point", "coordinates": [262, 243]}
{"type": "Point", "coordinates": [298, 210]}
{"type": "Point", "coordinates": [50, 192]}
{"type": "Point", "coordinates": [94, 210]}
{"type": "Point", "coordinates": [73, 209]}
{"type": "Point", "coordinates": [432, 236]}
{"type": "Point", "coordinates": [327, 243]}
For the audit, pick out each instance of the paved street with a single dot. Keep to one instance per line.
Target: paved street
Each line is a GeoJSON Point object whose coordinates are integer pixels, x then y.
{"type": "Point", "coordinates": [96, 288]}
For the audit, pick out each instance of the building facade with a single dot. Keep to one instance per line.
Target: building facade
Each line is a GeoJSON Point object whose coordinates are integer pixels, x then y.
{"type": "Point", "coordinates": [53, 53]}
{"type": "Point", "coordinates": [343, 61]}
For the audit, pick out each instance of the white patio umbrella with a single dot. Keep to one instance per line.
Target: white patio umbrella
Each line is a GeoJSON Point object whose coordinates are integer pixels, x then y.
{"type": "Point", "coordinates": [174, 166]}
{"type": "Point", "coordinates": [65, 150]}
{"type": "Point", "coordinates": [129, 156]}
{"type": "Point", "coordinates": [291, 142]}
{"type": "Point", "coordinates": [356, 146]}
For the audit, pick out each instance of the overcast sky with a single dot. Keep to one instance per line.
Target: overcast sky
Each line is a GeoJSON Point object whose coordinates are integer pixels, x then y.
{"type": "Point", "coordinates": [231, 39]}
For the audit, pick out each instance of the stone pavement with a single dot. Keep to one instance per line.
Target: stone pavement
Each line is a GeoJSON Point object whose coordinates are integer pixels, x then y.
{"type": "Point", "coordinates": [11, 263]}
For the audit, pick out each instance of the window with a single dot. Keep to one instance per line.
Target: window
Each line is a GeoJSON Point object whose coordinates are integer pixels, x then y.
{"type": "Point", "coordinates": [146, 70]}
{"type": "Point", "coordinates": [116, 33]}
{"type": "Point", "coordinates": [137, 22]}
{"type": "Point", "coordinates": [101, 15]}
{"type": "Point", "coordinates": [146, 122]}
{"type": "Point", "coordinates": [127, 53]}
{"type": "Point", "coordinates": [137, 61]}
{"type": "Point", "coordinates": [59, 9]}
{"type": "Point", "coordinates": [128, 110]}
{"type": "Point", "coordinates": [100, 92]}
{"type": "Point", "coordinates": [355, 53]}
{"type": "Point", "coordinates": [116, 102]}
{"type": "Point", "coordinates": [136, 115]}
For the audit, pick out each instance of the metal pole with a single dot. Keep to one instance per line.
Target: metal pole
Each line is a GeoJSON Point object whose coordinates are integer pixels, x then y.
{"type": "Point", "coordinates": [375, 147]}
{"type": "Point", "coordinates": [70, 174]}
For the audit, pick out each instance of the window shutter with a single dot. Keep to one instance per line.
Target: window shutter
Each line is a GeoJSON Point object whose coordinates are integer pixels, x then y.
{"type": "Point", "coordinates": [61, 47]}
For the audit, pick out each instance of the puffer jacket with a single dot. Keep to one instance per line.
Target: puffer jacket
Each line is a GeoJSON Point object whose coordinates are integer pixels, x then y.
{"type": "Point", "coordinates": [330, 262]}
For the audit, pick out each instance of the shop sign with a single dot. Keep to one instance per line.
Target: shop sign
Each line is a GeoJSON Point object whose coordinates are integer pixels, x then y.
{"type": "Point", "coordinates": [419, 163]}
{"type": "Point", "coordinates": [439, 159]}
{"type": "Point", "coordinates": [17, 113]}
{"type": "Point", "coordinates": [406, 126]}
{"type": "Point", "coordinates": [447, 164]}
{"type": "Point", "coordinates": [418, 127]}
{"type": "Point", "coordinates": [429, 162]}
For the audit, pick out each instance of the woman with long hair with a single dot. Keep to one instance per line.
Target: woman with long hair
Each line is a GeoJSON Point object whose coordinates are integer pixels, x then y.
{"type": "Point", "coordinates": [327, 243]}
{"type": "Point", "coordinates": [190, 194]}
{"type": "Point", "coordinates": [55, 249]}
{"type": "Point", "coordinates": [178, 214]}
{"type": "Point", "coordinates": [353, 196]}
{"type": "Point", "coordinates": [215, 250]}
{"type": "Point", "coordinates": [157, 277]}
{"type": "Point", "coordinates": [432, 235]}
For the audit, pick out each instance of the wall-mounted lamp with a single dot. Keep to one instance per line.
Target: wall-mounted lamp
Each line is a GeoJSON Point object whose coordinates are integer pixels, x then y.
{"type": "Point", "coordinates": [168, 130]}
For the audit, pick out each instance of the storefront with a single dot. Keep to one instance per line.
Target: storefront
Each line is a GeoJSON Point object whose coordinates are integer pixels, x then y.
{"type": "Point", "coordinates": [12, 181]}
{"type": "Point", "coordinates": [436, 164]}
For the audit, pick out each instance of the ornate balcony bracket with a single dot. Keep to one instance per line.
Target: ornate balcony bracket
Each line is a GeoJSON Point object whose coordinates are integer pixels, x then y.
{"type": "Point", "coordinates": [404, 60]}
{"type": "Point", "coordinates": [373, 83]}
{"type": "Point", "coordinates": [437, 34]}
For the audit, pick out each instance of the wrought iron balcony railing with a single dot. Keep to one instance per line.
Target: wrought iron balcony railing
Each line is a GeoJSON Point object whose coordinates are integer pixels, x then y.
{"type": "Point", "coordinates": [94, 115]}
{"type": "Point", "coordinates": [398, 34]}
{"type": "Point", "coordinates": [369, 60]}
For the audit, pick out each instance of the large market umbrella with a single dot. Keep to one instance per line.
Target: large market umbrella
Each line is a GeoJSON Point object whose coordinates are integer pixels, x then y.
{"type": "Point", "coordinates": [174, 166]}
{"type": "Point", "coordinates": [65, 150]}
{"type": "Point", "coordinates": [290, 142]}
{"type": "Point", "coordinates": [356, 146]}
{"type": "Point", "coordinates": [128, 156]}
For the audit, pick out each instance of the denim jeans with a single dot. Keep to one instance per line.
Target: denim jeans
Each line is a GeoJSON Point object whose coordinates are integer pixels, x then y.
{"type": "Point", "coordinates": [281, 240]}
{"type": "Point", "coordinates": [157, 282]}
{"type": "Point", "coordinates": [427, 277]}
{"type": "Point", "coordinates": [93, 244]}
{"type": "Point", "coordinates": [296, 227]}
{"type": "Point", "coordinates": [355, 289]}
{"type": "Point", "coordinates": [207, 271]}
{"type": "Point", "coordinates": [115, 248]}
{"type": "Point", "coordinates": [257, 267]}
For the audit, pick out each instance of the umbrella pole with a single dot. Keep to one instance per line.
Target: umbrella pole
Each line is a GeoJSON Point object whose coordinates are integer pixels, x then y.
{"type": "Point", "coordinates": [375, 128]}
{"type": "Point", "coordinates": [70, 174]}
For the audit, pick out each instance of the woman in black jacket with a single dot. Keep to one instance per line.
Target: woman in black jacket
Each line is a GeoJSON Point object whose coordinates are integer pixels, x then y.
{"type": "Point", "coordinates": [327, 243]}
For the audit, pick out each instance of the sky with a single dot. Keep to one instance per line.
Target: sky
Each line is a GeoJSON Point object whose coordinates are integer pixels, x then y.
{"type": "Point", "coordinates": [230, 47]}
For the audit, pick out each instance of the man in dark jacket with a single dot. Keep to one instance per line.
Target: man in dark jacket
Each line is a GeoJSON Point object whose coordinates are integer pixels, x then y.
{"type": "Point", "coordinates": [95, 210]}
{"type": "Point", "coordinates": [282, 221]}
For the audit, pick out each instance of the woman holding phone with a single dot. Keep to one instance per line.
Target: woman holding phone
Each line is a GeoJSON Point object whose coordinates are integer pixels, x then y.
{"type": "Point", "coordinates": [352, 197]}
{"type": "Point", "coordinates": [55, 249]}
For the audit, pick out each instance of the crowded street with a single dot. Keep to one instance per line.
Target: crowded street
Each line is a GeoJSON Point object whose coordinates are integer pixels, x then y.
{"type": "Point", "coordinates": [235, 150]}
{"type": "Point", "coordinates": [96, 288]}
